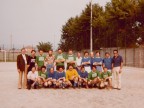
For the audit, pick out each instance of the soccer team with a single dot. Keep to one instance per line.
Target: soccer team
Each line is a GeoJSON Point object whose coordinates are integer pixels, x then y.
{"type": "Point", "coordinates": [65, 71]}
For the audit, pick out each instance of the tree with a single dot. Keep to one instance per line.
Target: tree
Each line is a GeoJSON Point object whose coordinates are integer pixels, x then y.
{"type": "Point", "coordinates": [76, 31]}
{"type": "Point", "coordinates": [122, 13]}
{"type": "Point", "coordinates": [45, 46]}
{"type": "Point", "coordinates": [112, 27]}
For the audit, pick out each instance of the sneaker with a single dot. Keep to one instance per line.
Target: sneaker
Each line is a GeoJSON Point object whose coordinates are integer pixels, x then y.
{"type": "Point", "coordinates": [115, 88]}
{"type": "Point", "coordinates": [75, 84]}
{"type": "Point", "coordinates": [119, 88]}
{"type": "Point", "coordinates": [19, 88]}
{"type": "Point", "coordinates": [54, 86]}
{"type": "Point", "coordinates": [63, 87]}
{"type": "Point", "coordinates": [79, 85]}
{"type": "Point", "coordinates": [87, 87]}
{"type": "Point", "coordinates": [35, 87]}
{"type": "Point", "coordinates": [29, 87]}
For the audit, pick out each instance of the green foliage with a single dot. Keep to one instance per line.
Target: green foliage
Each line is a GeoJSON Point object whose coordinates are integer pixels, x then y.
{"type": "Point", "coordinates": [112, 27]}
{"type": "Point", "coordinates": [45, 46]}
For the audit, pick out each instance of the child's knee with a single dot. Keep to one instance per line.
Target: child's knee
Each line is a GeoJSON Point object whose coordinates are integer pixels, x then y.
{"type": "Point", "coordinates": [49, 83]}
{"type": "Point", "coordinates": [89, 83]}
{"type": "Point", "coordinates": [46, 84]}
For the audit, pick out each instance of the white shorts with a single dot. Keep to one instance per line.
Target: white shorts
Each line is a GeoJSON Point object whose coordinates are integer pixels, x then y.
{"type": "Point", "coordinates": [88, 69]}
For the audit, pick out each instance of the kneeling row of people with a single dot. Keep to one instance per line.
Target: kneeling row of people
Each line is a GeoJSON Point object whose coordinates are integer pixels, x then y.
{"type": "Point", "coordinates": [71, 78]}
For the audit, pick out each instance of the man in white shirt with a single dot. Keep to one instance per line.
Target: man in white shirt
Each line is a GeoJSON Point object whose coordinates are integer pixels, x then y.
{"type": "Point", "coordinates": [78, 59]}
{"type": "Point", "coordinates": [32, 79]}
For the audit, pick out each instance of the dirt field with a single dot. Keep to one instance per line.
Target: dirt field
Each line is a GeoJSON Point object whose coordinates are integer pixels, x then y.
{"type": "Point", "coordinates": [131, 95]}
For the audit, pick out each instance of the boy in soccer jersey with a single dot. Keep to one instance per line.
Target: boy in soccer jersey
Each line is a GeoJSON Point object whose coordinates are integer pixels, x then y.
{"type": "Point", "coordinates": [40, 59]}
{"type": "Point", "coordinates": [98, 61]}
{"type": "Point", "coordinates": [71, 59]}
{"type": "Point", "coordinates": [60, 59]}
{"type": "Point", "coordinates": [93, 77]}
{"type": "Point", "coordinates": [51, 79]}
{"type": "Point", "coordinates": [107, 61]}
{"type": "Point", "coordinates": [32, 79]}
{"type": "Point", "coordinates": [72, 76]}
{"type": "Point", "coordinates": [61, 80]}
{"type": "Point", "coordinates": [86, 62]}
{"type": "Point", "coordinates": [106, 76]}
{"type": "Point", "coordinates": [43, 76]}
{"type": "Point", "coordinates": [49, 61]}
{"type": "Point", "coordinates": [83, 75]}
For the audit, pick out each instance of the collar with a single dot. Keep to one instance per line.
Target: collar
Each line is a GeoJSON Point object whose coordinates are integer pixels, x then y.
{"type": "Point", "coordinates": [86, 57]}
{"type": "Point", "coordinates": [97, 57]}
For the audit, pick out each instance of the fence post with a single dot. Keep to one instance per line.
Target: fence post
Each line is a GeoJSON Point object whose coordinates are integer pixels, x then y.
{"type": "Point", "coordinates": [141, 58]}
{"type": "Point", "coordinates": [13, 52]}
{"type": "Point", "coordinates": [134, 56]}
{"type": "Point", "coordinates": [3, 53]}
{"type": "Point", "coordinates": [8, 55]}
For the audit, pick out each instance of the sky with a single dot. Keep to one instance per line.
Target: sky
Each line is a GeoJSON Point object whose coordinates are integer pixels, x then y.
{"type": "Point", "coordinates": [31, 21]}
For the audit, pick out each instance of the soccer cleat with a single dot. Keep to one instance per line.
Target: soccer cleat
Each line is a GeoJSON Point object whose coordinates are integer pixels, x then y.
{"type": "Point", "coordinates": [119, 88]}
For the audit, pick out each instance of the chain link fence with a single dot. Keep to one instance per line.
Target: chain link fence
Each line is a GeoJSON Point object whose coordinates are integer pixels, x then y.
{"type": "Point", "coordinates": [133, 57]}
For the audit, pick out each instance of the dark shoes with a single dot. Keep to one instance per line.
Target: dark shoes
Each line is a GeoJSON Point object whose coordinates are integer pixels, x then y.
{"type": "Point", "coordinates": [119, 88]}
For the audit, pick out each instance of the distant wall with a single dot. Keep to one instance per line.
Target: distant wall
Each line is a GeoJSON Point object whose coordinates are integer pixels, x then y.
{"type": "Point", "coordinates": [132, 56]}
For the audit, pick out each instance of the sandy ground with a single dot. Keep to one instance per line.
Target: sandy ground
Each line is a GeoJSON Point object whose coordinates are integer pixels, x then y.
{"type": "Point", "coordinates": [131, 95]}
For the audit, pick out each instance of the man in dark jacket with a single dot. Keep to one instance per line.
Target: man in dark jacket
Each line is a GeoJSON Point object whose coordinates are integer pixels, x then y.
{"type": "Point", "coordinates": [22, 61]}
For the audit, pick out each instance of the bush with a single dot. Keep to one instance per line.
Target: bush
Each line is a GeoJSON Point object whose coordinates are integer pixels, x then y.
{"type": "Point", "coordinates": [45, 46]}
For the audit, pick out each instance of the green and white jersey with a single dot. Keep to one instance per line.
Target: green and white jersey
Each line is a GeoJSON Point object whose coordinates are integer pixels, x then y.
{"type": "Point", "coordinates": [43, 74]}
{"type": "Point", "coordinates": [70, 58]}
{"type": "Point", "coordinates": [60, 57]}
{"type": "Point", "coordinates": [106, 74]}
{"type": "Point", "coordinates": [92, 75]}
{"type": "Point", "coordinates": [40, 60]}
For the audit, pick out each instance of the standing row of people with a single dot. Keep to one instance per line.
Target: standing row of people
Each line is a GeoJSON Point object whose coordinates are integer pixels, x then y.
{"type": "Point", "coordinates": [88, 69]}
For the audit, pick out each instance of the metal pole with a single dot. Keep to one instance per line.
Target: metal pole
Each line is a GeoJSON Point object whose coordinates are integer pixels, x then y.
{"type": "Point", "coordinates": [11, 41]}
{"type": "Point", "coordinates": [13, 52]}
{"type": "Point", "coordinates": [91, 44]}
{"type": "Point", "coordinates": [3, 53]}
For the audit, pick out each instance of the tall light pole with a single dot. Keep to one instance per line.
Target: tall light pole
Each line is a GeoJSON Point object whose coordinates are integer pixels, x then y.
{"type": "Point", "coordinates": [11, 41]}
{"type": "Point", "coordinates": [91, 42]}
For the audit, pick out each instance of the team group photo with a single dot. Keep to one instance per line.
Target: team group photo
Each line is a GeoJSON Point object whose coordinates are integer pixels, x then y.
{"type": "Point", "coordinates": [71, 53]}
{"type": "Point", "coordinates": [64, 71]}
